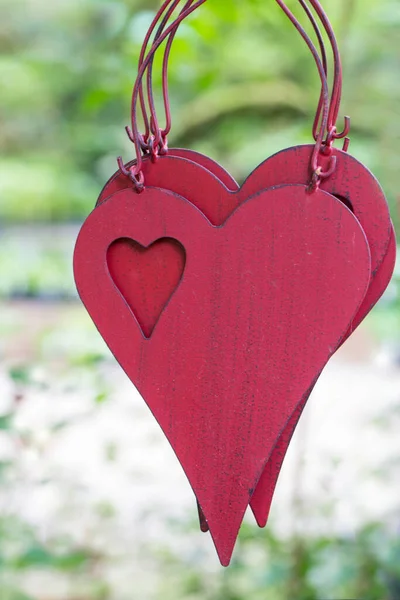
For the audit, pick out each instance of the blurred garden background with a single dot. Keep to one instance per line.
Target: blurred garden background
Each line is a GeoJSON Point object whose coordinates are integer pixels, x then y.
{"type": "Point", "coordinates": [94, 505]}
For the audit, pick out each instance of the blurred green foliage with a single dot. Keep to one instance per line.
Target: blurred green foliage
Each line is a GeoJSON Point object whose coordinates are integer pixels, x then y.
{"type": "Point", "coordinates": [359, 564]}
{"type": "Point", "coordinates": [243, 85]}
{"type": "Point", "coordinates": [365, 566]}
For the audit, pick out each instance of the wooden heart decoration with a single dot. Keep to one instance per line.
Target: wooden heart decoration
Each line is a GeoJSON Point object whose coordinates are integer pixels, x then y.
{"type": "Point", "coordinates": [232, 352]}
{"type": "Point", "coordinates": [146, 277]}
{"type": "Point", "coordinates": [352, 183]}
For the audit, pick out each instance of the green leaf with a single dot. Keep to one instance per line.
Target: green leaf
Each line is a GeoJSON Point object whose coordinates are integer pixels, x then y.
{"type": "Point", "coordinates": [6, 422]}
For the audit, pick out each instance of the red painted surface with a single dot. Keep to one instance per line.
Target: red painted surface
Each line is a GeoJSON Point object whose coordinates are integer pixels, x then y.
{"type": "Point", "coordinates": [263, 302]}
{"type": "Point", "coordinates": [264, 492]}
{"type": "Point", "coordinates": [352, 182]}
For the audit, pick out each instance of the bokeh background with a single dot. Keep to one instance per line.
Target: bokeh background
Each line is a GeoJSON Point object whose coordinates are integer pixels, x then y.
{"type": "Point", "coordinates": [94, 505]}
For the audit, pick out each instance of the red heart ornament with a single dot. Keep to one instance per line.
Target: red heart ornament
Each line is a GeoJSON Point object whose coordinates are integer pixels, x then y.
{"type": "Point", "coordinates": [352, 182]}
{"type": "Point", "coordinates": [263, 302]}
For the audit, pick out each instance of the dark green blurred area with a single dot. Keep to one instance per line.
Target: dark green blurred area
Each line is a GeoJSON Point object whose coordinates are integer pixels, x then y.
{"type": "Point", "coordinates": [243, 86]}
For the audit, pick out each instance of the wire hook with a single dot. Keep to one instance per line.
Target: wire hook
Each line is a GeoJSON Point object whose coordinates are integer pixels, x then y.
{"type": "Point", "coordinates": [316, 169]}
{"type": "Point", "coordinates": [338, 75]}
{"type": "Point", "coordinates": [135, 176]}
{"type": "Point", "coordinates": [135, 173]}
{"type": "Point", "coordinates": [146, 63]}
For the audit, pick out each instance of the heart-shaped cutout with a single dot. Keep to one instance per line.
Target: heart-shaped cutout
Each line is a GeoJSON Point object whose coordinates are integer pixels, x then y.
{"type": "Point", "coordinates": [147, 277]}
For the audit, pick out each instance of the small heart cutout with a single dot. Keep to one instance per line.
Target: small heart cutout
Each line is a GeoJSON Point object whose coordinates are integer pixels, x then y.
{"type": "Point", "coordinates": [146, 277]}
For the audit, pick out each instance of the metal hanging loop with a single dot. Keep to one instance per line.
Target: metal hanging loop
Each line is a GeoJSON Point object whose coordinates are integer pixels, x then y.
{"type": "Point", "coordinates": [140, 142]}
{"type": "Point", "coordinates": [161, 134]}
{"type": "Point", "coordinates": [135, 171]}
{"type": "Point", "coordinates": [337, 78]}
{"type": "Point", "coordinates": [152, 128]}
{"type": "Point", "coordinates": [149, 33]}
{"type": "Point", "coordinates": [166, 130]}
{"type": "Point", "coordinates": [317, 172]}
{"type": "Point", "coordinates": [310, 45]}
{"type": "Point", "coordinates": [154, 141]}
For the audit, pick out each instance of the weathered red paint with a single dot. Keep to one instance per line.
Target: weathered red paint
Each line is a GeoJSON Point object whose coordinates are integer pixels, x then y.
{"type": "Point", "coordinates": [352, 183]}
{"type": "Point", "coordinates": [263, 302]}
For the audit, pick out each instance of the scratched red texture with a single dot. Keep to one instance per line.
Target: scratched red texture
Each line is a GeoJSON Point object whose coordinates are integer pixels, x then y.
{"type": "Point", "coordinates": [352, 183]}
{"type": "Point", "coordinates": [263, 302]}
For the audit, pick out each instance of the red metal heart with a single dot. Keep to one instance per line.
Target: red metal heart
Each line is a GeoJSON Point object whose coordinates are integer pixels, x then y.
{"type": "Point", "coordinates": [146, 277]}
{"type": "Point", "coordinates": [352, 183]}
{"type": "Point", "coordinates": [232, 353]}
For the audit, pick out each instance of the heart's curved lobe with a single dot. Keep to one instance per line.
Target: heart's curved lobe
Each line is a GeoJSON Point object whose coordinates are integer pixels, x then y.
{"type": "Point", "coordinates": [146, 277]}
{"type": "Point", "coordinates": [118, 181]}
{"type": "Point", "coordinates": [263, 302]}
